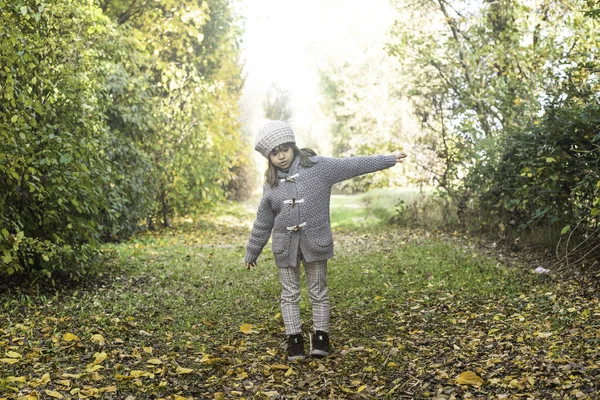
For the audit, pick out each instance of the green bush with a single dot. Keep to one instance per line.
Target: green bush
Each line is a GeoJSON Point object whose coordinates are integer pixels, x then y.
{"type": "Point", "coordinates": [109, 117]}
{"type": "Point", "coordinates": [53, 163]}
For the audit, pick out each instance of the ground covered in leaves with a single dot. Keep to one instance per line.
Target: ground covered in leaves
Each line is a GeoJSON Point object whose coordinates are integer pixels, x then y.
{"type": "Point", "coordinates": [415, 315]}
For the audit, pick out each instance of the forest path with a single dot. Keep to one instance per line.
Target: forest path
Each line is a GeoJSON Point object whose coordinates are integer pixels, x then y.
{"type": "Point", "coordinates": [415, 315]}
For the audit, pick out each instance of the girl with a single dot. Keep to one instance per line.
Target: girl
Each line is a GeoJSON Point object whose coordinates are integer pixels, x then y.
{"type": "Point", "coordinates": [295, 208]}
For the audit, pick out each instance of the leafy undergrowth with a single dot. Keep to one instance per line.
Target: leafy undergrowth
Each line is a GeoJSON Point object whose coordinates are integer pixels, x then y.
{"type": "Point", "coordinates": [414, 316]}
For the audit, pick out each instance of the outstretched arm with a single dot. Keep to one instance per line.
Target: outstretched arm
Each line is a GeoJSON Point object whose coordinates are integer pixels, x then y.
{"type": "Point", "coordinates": [340, 169]}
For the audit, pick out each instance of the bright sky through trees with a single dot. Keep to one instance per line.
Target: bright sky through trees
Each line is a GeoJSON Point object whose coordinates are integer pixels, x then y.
{"type": "Point", "coordinates": [286, 42]}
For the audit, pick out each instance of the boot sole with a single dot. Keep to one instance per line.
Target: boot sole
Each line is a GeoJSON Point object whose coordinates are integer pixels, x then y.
{"type": "Point", "coordinates": [319, 353]}
{"type": "Point", "coordinates": [292, 358]}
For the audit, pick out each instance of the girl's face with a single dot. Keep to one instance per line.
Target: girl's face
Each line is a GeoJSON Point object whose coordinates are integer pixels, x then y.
{"type": "Point", "coordinates": [282, 157]}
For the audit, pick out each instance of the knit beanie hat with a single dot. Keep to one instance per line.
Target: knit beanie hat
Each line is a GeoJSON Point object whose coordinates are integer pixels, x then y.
{"type": "Point", "coordinates": [273, 134]}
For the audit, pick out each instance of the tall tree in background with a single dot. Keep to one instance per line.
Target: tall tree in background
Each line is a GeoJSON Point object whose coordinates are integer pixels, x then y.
{"type": "Point", "coordinates": [485, 80]}
{"type": "Point", "coordinates": [364, 98]}
{"type": "Point", "coordinates": [276, 105]}
{"type": "Point", "coordinates": [193, 48]}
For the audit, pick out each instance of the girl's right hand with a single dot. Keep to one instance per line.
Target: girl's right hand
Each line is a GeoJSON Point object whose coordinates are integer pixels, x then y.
{"type": "Point", "coordinates": [400, 156]}
{"type": "Point", "coordinates": [249, 265]}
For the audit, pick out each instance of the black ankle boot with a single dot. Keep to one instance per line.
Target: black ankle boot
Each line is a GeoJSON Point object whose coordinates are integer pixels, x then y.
{"type": "Point", "coordinates": [295, 347]}
{"type": "Point", "coordinates": [320, 344]}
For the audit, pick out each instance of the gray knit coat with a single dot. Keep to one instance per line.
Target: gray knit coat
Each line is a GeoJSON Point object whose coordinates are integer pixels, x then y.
{"type": "Point", "coordinates": [296, 211]}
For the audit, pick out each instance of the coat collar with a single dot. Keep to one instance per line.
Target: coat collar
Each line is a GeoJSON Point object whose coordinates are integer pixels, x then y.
{"type": "Point", "coordinates": [293, 169]}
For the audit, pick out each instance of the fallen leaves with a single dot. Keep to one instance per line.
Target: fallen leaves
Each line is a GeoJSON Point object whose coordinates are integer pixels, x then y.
{"type": "Point", "coordinates": [247, 329]}
{"type": "Point", "coordinates": [54, 394]}
{"type": "Point", "coordinates": [418, 330]}
{"type": "Point", "coordinates": [183, 371]}
{"type": "Point", "coordinates": [469, 378]}
{"type": "Point", "coordinates": [69, 337]}
{"type": "Point", "coordinates": [98, 339]}
{"type": "Point", "coordinates": [99, 358]}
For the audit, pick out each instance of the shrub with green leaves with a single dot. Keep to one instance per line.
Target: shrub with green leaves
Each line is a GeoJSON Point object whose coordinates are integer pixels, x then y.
{"type": "Point", "coordinates": [53, 163]}
{"type": "Point", "coordinates": [111, 114]}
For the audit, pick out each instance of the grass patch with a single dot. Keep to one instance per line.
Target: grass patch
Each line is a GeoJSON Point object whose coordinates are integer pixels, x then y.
{"type": "Point", "coordinates": [411, 311]}
{"type": "Point", "coordinates": [370, 208]}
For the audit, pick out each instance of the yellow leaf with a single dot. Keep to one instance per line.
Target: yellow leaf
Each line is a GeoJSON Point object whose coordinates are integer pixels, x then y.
{"type": "Point", "coordinates": [13, 354]}
{"type": "Point", "coordinates": [12, 379]}
{"type": "Point", "coordinates": [73, 376]}
{"type": "Point", "coordinates": [241, 376]}
{"type": "Point", "coordinates": [64, 382]}
{"type": "Point", "coordinates": [469, 378]}
{"type": "Point", "coordinates": [178, 397]}
{"type": "Point", "coordinates": [88, 392]}
{"type": "Point", "coordinates": [99, 357]}
{"type": "Point", "coordinates": [289, 372]}
{"type": "Point", "coordinates": [280, 366]}
{"type": "Point", "coordinates": [96, 376]}
{"type": "Point", "coordinates": [345, 389]}
{"type": "Point", "coordinates": [247, 329]}
{"type": "Point", "coordinates": [9, 360]}
{"type": "Point", "coordinates": [219, 396]}
{"type": "Point", "coordinates": [183, 371]}
{"type": "Point", "coordinates": [108, 389]}
{"type": "Point", "coordinates": [209, 360]}
{"type": "Point", "coordinates": [31, 396]}
{"type": "Point", "coordinates": [98, 339]}
{"type": "Point", "coordinates": [154, 361]}
{"type": "Point", "coordinates": [93, 368]}
{"type": "Point", "coordinates": [147, 350]}
{"type": "Point", "coordinates": [45, 379]}
{"type": "Point", "coordinates": [53, 393]}
{"type": "Point", "coordinates": [138, 374]}
{"type": "Point", "coordinates": [69, 337]}
{"type": "Point", "coordinates": [360, 389]}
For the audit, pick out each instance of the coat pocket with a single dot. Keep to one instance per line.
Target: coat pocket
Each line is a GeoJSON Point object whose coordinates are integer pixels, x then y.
{"type": "Point", "coordinates": [320, 239]}
{"type": "Point", "coordinates": [281, 244]}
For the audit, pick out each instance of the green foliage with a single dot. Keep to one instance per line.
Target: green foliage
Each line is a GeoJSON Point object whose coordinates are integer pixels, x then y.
{"type": "Point", "coordinates": [277, 104]}
{"type": "Point", "coordinates": [368, 114]}
{"type": "Point", "coordinates": [190, 52]}
{"type": "Point", "coordinates": [106, 122]}
{"type": "Point", "coordinates": [53, 163]}
{"type": "Point", "coordinates": [508, 101]}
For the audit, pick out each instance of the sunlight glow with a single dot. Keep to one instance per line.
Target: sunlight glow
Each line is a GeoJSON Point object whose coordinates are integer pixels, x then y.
{"type": "Point", "coordinates": [286, 42]}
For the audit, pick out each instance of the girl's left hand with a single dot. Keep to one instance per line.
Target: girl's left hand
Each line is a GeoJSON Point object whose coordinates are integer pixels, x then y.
{"type": "Point", "coordinates": [400, 157]}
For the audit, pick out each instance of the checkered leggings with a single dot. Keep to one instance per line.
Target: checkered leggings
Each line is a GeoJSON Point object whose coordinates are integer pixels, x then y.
{"type": "Point", "coordinates": [316, 278]}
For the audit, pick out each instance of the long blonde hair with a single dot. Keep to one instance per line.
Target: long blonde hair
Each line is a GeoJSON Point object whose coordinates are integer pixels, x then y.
{"type": "Point", "coordinates": [304, 154]}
